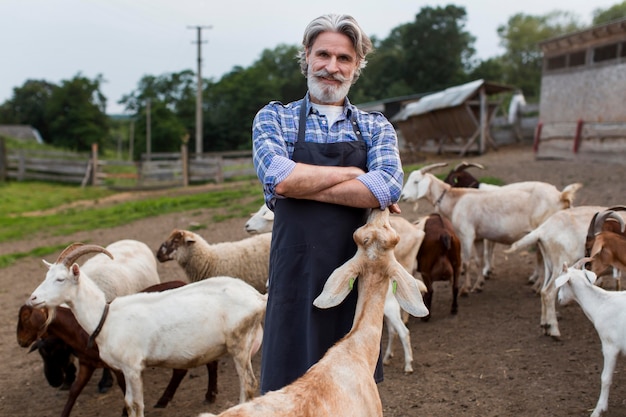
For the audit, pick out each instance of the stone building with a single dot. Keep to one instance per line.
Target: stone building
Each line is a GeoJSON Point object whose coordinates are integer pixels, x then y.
{"type": "Point", "coordinates": [582, 109]}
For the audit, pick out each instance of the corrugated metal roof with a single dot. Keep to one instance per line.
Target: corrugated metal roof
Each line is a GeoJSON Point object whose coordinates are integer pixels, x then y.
{"type": "Point", "coordinates": [450, 97]}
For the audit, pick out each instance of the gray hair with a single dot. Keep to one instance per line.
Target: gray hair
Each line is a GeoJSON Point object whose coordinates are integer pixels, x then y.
{"type": "Point", "coordinates": [344, 24]}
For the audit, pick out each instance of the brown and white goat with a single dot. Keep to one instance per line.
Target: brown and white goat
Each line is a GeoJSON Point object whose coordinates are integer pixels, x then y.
{"type": "Point", "coordinates": [439, 258]}
{"type": "Point", "coordinates": [35, 323]}
{"type": "Point", "coordinates": [609, 248]}
{"type": "Point", "coordinates": [342, 382]}
{"type": "Point", "coordinates": [605, 222]}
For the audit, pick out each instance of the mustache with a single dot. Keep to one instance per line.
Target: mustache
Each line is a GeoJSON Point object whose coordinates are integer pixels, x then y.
{"type": "Point", "coordinates": [325, 74]}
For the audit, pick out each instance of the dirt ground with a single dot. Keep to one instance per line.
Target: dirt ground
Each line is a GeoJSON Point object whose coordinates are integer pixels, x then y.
{"type": "Point", "coordinates": [489, 360]}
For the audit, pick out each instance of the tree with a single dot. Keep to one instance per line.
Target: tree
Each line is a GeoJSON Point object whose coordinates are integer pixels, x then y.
{"type": "Point", "coordinates": [617, 11]}
{"type": "Point", "coordinates": [28, 106]}
{"type": "Point", "coordinates": [76, 114]}
{"type": "Point", "coordinates": [520, 38]}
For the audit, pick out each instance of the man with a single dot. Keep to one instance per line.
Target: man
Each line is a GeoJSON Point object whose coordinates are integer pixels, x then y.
{"type": "Point", "coordinates": [323, 165]}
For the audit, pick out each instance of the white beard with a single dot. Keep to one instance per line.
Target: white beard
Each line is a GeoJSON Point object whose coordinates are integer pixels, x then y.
{"type": "Point", "coordinates": [324, 93]}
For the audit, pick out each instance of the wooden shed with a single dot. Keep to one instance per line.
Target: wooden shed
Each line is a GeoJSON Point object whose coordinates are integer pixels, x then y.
{"type": "Point", "coordinates": [582, 111]}
{"type": "Point", "coordinates": [455, 119]}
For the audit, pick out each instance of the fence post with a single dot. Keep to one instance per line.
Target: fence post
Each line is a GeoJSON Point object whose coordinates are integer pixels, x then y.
{"type": "Point", "coordinates": [185, 161]}
{"type": "Point", "coordinates": [4, 161]}
{"type": "Point", "coordinates": [94, 164]}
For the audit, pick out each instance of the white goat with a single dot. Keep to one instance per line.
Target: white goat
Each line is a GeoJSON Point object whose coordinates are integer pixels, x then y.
{"type": "Point", "coordinates": [247, 259]}
{"type": "Point", "coordinates": [561, 240]}
{"type": "Point", "coordinates": [181, 328]}
{"type": "Point", "coordinates": [342, 382]}
{"type": "Point", "coordinates": [262, 221]}
{"type": "Point", "coordinates": [606, 310]}
{"type": "Point", "coordinates": [132, 269]}
{"type": "Point", "coordinates": [500, 215]}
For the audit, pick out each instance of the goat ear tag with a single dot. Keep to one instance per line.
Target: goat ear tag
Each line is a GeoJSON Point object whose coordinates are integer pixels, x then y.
{"type": "Point", "coordinates": [394, 287]}
{"type": "Point", "coordinates": [560, 281]}
{"type": "Point", "coordinates": [351, 284]}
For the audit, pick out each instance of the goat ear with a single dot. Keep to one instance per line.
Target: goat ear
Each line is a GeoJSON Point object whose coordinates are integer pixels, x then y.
{"type": "Point", "coordinates": [591, 276]}
{"type": "Point", "coordinates": [75, 272]}
{"type": "Point", "coordinates": [564, 269]}
{"type": "Point", "coordinates": [407, 291]}
{"type": "Point", "coordinates": [338, 285]}
{"type": "Point", "coordinates": [561, 280]}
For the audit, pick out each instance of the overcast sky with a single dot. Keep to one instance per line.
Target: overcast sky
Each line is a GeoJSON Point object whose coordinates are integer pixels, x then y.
{"type": "Point", "coordinates": [126, 39]}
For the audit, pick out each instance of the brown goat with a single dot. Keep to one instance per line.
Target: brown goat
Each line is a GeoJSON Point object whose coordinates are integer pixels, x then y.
{"type": "Point", "coordinates": [608, 246]}
{"type": "Point", "coordinates": [32, 324]}
{"type": "Point", "coordinates": [439, 258]}
{"type": "Point", "coordinates": [603, 222]}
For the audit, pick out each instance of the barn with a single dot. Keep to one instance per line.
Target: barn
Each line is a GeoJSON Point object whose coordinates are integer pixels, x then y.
{"type": "Point", "coordinates": [456, 119]}
{"type": "Point", "coordinates": [582, 111]}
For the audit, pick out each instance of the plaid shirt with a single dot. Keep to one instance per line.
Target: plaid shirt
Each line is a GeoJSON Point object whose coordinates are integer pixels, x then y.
{"type": "Point", "coordinates": [275, 131]}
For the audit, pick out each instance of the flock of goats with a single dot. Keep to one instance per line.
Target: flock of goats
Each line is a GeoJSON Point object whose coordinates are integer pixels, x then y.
{"type": "Point", "coordinates": [113, 312]}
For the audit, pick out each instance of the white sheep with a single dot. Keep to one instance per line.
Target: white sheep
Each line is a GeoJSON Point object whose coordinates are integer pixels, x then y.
{"type": "Point", "coordinates": [247, 259]}
{"type": "Point", "coordinates": [561, 240]}
{"type": "Point", "coordinates": [606, 310]}
{"type": "Point", "coordinates": [342, 382]}
{"type": "Point", "coordinates": [181, 328]}
{"type": "Point", "coordinates": [411, 236]}
{"type": "Point", "coordinates": [500, 215]}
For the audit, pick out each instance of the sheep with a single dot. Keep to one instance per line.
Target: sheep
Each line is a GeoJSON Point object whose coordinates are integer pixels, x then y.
{"type": "Point", "coordinates": [439, 258]}
{"type": "Point", "coordinates": [180, 328]}
{"type": "Point", "coordinates": [262, 221]}
{"type": "Point", "coordinates": [607, 312]}
{"type": "Point", "coordinates": [501, 215]}
{"type": "Point", "coordinates": [561, 239]}
{"type": "Point", "coordinates": [64, 327]}
{"type": "Point", "coordinates": [342, 382]}
{"type": "Point", "coordinates": [247, 259]}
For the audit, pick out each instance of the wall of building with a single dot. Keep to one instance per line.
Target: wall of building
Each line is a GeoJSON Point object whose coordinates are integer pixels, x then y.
{"type": "Point", "coordinates": [593, 94]}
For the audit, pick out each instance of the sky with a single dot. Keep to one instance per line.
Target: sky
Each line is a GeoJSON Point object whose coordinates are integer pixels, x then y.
{"type": "Point", "coordinates": [123, 40]}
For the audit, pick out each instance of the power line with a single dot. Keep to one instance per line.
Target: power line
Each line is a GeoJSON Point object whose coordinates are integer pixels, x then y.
{"type": "Point", "coordinates": [199, 92]}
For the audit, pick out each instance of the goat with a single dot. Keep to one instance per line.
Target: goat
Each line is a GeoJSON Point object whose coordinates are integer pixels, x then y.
{"type": "Point", "coordinates": [561, 240]}
{"type": "Point", "coordinates": [57, 356]}
{"type": "Point", "coordinates": [609, 248]}
{"type": "Point", "coordinates": [220, 315]}
{"type": "Point", "coordinates": [342, 383]}
{"type": "Point", "coordinates": [406, 254]}
{"type": "Point", "coordinates": [501, 215]}
{"type": "Point", "coordinates": [134, 269]}
{"type": "Point", "coordinates": [63, 326]}
{"type": "Point", "coordinates": [439, 258]}
{"type": "Point", "coordinates": [247, 259]}
{"type": "Point", "coordinates": [606, 310]}
{"type": "Point", "coordinates": [459, 177]}
{"type": "Point", "coordinates": [607, 223]}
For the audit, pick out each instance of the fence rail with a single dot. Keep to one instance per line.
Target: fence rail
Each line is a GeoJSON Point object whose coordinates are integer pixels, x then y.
{"type": "Point", "coordinates": [159, 170]}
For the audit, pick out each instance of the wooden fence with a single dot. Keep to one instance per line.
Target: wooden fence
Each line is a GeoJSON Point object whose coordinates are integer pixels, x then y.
{"type": "Point", "coordinates": [158, 170]}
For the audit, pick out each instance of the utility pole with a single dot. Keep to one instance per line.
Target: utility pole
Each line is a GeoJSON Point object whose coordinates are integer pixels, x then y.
{"type": "Point", "coordinates": [199, 92]}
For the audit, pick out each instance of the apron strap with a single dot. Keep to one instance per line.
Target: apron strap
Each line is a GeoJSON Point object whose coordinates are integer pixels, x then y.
{"type": "Point", "coordinates": [302, 122]}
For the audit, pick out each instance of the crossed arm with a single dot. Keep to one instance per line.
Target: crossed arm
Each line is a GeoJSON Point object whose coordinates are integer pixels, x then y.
{"type": "Point", "coordinates": [329, 184]}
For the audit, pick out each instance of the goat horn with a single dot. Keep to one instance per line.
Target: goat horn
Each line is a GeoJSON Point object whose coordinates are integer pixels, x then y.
{"type": "Point", "coordinates": [76, 250]}
{"type": "Point", "coordinates": [432, 166]}
{"type": "Point", "coordinates": [617, 208]}
{"type": "Point", "coordinates": [463, 165]}
{"type": "Point", "coordinates": [581, 262]}
{"type": "Point", "coordinates": [597, 228]}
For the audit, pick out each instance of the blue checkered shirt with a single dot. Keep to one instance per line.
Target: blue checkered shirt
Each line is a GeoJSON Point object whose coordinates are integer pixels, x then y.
{"type": "Point", "coordinates": [275, 132]}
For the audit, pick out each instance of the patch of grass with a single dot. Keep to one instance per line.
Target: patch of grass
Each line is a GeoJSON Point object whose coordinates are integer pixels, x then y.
{"type": "Point", "coordinates": [42, 251]}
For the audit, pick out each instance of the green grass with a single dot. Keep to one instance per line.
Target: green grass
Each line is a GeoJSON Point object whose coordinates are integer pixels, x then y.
{"type": "Point", "coordinates": [20, 198]}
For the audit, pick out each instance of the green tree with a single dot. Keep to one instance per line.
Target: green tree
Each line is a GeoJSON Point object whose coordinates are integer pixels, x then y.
{"type": "Point", "coordinates": [172, 111]}
{"type": "Point", "coordinates": [617, 11]}
{"type": "Point", "coordinates": [28, 106]}
{"type": "Point", "coordinates": [520, 38]}
{"type": "Point", "coordinates": [76, 114]}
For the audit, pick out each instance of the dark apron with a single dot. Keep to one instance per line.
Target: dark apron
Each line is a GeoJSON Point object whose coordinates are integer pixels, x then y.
{"type": "Point", "coordinates": [310, 239]}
